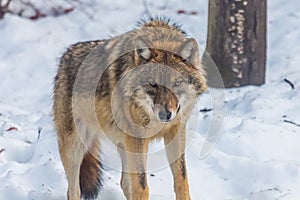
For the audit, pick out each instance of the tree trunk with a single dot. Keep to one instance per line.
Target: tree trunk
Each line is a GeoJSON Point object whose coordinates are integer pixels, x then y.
{"type": "Point", "coordinates": [236, 41]}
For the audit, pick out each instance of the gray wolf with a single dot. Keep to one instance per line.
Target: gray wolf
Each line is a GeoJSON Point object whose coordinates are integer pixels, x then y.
{"type": "Point", "coordinates": [132, 89]}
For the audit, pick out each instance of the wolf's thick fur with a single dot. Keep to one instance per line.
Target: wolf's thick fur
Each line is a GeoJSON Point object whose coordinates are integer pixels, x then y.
{"type": "Point", "coordinates": [132, 89]}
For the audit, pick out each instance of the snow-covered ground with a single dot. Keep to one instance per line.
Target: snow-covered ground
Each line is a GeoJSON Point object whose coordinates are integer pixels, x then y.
{"type": "Point", "coordinates": [256, 158]}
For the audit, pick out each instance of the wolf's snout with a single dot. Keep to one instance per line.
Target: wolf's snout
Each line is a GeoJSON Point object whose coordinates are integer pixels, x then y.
{"type": "Point", "coordinates": [165, 115]}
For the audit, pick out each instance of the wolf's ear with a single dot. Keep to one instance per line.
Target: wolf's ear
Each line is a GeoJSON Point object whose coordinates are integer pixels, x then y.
{"type": "Point", "coordinates": [189, 51]}
{"type": "Point", "coordinates": [142, 50]}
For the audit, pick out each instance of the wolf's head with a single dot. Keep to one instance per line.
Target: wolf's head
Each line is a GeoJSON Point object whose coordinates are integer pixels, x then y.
{"type": "Point", "coordinates": [165, 82]}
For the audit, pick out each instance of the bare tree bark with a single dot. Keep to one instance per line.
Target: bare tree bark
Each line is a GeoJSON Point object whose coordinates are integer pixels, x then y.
{"type": "Point", "coordinates": [236, 41]}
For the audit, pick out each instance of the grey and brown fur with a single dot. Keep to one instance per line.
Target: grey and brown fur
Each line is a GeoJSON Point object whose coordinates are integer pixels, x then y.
{"type": "Point", "coordinates": [132, 88]}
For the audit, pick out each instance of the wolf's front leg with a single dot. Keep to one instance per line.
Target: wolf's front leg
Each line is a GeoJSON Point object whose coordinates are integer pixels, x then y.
{"type": "Point", "coordinates": [175, 147]}
{"type": "Point", "coordinates": [134, 157]}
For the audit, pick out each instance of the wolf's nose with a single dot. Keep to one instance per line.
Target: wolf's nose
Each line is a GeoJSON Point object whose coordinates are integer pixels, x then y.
{"type": "Point", "coordinates": [164, 115]}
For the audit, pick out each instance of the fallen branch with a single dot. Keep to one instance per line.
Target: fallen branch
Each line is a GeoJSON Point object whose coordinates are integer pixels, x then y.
{"type": "Point", "coordinates": [38, 14]}
{"type": "Point", "coordinates": [12, 129]}
{"type": "Point", "coordinates": [206, 110]}
{"type": "Point", "coordinates": [290, 83]}
{"type": "Point", "coordinates": [39, 132]}
{"type": "Point", "coordinates": [54, 10]}
{"type": "Point", "coordinates": [291, 122]}
{"type": "Point", "coordinates": [1, 150]}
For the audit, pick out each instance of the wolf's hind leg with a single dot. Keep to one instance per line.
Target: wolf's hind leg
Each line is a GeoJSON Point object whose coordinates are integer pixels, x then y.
{"type": "Point", "coordinates": [71, 152]}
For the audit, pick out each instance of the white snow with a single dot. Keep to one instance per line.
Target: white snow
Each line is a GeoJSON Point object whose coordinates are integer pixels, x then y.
{"type": "Point", "coordinates": [256, 158]}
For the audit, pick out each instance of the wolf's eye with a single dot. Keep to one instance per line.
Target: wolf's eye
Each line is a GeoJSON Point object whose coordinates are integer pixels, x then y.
{"type": "Point", "coordinates": [177, 82]}
{"type": "Point", "coordinates": [152, 83]}
{"type": "Point", "coordinates": [151, 88]}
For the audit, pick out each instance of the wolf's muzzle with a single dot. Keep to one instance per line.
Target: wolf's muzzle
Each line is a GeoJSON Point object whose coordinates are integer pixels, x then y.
{"type": "Point", "coordinates": [165, 115]}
